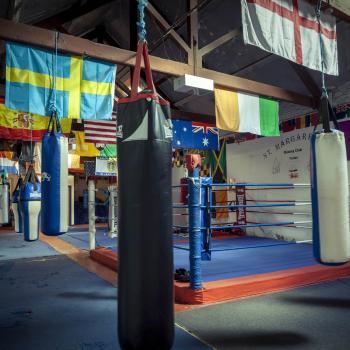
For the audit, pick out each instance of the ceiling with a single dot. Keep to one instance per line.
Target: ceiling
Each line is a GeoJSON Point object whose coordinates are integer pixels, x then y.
{"type": "Point", "coordinates": [109, 22]}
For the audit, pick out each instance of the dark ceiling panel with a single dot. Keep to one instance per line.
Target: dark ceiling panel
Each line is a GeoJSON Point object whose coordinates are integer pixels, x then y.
{"type": "Point", "coordinates": [217, 18]}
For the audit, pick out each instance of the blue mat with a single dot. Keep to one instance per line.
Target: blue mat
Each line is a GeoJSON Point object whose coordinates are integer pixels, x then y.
{"type": "Point", "coordinates": [244, 262]}
{"type": "Point", "coordinates": [231, 257]}
{"type": "Point", "coordinates": [80, 239]}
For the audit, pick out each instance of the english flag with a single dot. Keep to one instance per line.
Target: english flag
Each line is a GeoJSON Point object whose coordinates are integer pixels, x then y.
{"type": "Point", "coordinates": [289, 28]}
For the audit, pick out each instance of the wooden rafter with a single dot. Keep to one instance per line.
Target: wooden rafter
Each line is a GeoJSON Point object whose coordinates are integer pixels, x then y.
{"type": "Point", "coordinates": [78, 46]}
{"type": "Point", "coordinates": [307, 80]}
{"type": "Point", "coordinates": [219, 41]}
{"type": "Point", "coordinates": [165, 26]}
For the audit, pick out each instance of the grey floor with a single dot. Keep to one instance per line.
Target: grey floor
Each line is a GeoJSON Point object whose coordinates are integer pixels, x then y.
{"type": "Point", "coordinates": [313, 317]}
{"type": "Point", "coordinates": [48, 302]}
{"type": "Point", "coordinates": [51, 303]}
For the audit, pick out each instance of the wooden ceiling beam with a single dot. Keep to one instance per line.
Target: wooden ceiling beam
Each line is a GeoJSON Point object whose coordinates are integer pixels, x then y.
{"type": "Point", "coordinates": [166, 26]}
{"type": "Point", "coordinates": [78, 46]}
{"type": "Point", "coordinates": [307, 80]}
{"type": "Point", "coordinates": [219, 41]}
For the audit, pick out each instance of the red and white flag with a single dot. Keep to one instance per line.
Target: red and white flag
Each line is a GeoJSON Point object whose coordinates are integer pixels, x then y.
{"type": "Point", "coordinates": [289, 28]}
{"type": "Point", "coordinates": [101, 131]}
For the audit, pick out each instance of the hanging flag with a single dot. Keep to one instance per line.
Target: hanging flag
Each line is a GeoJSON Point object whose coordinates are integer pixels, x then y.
{"type": "Point", "coordinates": [178, 158]}
{"type": "Point", "coordinates": [89, 167]}
{"type": "Point", "coordinates": [187, 134]}
{"type": "Point", "coordinates": [307, 120]}
{"type": "Point", "coordinates": [290, 29]}
{"type": "Point", "coordinates": [315, 120]}
{"type": "Point", "coordinates": [84, 87]}
{"type": "Point", "coordinates": [16, 125]}
{"type": "Point", "coordinates": [6, 165]}
{"type": "Point", "coordinates": [106, 166]}
{"type": "Point", "coordinates": [74, 161]}
{"type": "Point", "coordinates": [85, 149]}
{"type": "Point", "coordinates": [239, 112]}
{"type": "Point", "coordinates": [217, 161]}
{"type": "Point", "coordinates": [102, 131]}
{"type": "Point", "coordinates": [109, 151]}
{"type": "Point", "coordinates": [220, 198]}
{"type": "Point", "coordinates": [288, 125]}
{"type": "Point", "coordinates": [345, 128]}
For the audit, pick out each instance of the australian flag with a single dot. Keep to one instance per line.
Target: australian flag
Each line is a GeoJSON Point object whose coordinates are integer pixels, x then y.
{"type": "Point", "coordinates": [187, 134]}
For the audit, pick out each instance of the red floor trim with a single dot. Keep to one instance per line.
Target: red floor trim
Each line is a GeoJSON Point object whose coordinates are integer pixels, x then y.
{"type": "Point", "coordinates": [105, 257]}
{"type": "Point", "coordinates": [240, 287]}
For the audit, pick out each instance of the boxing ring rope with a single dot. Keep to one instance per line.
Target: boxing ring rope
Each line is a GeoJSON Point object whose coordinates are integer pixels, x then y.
{"type": "Point", "coordinates": [200, 242]}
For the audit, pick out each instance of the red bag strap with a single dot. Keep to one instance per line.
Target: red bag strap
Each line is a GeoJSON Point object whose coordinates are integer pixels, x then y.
{"type": "Point", "coordinates": [142, 51]}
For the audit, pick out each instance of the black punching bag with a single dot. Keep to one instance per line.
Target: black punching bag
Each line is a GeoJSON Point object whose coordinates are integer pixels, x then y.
{"type": "Point", "coordinates": [145, 287]}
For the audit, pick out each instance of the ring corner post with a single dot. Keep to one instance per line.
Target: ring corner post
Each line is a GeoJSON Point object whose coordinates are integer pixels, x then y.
{"type": "Point", "coordinates": [193, 162]}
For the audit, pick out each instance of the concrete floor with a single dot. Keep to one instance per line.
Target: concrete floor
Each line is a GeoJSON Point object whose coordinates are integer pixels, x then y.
{"type": "Point", "coordinates": [51, 303]}
{"type": "Point", "coordinates": [48, 301]}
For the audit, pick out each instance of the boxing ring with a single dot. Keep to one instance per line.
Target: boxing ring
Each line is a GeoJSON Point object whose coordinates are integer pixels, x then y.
{"type": "Point", "coordinates": [241, 254]}
{"type": "Point", "coordinates": [256, 263]}
{"type": "Point", "coordinates": [201, 241]}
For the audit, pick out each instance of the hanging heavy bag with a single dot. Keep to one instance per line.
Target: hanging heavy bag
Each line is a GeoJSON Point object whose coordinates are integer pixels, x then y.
{"type": "Point", "coordinates": [54, 186]}
{"type": "Point", "coordinates": [145, 288]}
{"type": "Point", "coordinates": [330, 195]}
{"type": "Point", "coordinates": [30, 204]}
{"type": "Point", "coordinates": [4, 201]}
{"type": "Point", "coordinates": [15, 206]}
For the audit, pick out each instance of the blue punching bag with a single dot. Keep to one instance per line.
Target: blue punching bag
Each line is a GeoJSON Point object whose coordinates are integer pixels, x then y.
{"type": "Point", "coordinates": [54, 167]}
{"type": "Point", "coordinates": [30, 205]}
{"type": "Point", "coordinates": [15, 206]}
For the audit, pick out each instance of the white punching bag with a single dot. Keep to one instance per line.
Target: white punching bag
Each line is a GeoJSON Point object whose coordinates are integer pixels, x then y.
{"type": "Point", "coordinates": [15, 206]}
{"type": "Point", "coordinates": [330, 198]}
{"type": "Point", "coordinates": [4, 201]}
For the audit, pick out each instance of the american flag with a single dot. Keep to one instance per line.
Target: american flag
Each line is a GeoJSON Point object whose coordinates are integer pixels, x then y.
{"type": "Point", "coordinates": [101, 131]}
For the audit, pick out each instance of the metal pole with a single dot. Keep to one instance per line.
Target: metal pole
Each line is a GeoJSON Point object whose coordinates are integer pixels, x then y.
{"type": "Point", "coordinates": [91, 202]}
{"type": "Point", "coordinates": [112, 209]}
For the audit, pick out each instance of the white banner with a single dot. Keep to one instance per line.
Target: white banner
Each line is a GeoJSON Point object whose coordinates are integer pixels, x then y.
{"type": "Point", "coordinates": [106, 166]}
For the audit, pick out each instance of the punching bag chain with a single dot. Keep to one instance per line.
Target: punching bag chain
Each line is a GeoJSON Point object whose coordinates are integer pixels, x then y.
{"type": "Point", "coordinates": [324, 103]}
{"type": "Point", "coordinates": [318, 16]}
{"type": "Point", "coordinates": [141, 25]}
{"type": "Point", "coordinates": [53, 102]}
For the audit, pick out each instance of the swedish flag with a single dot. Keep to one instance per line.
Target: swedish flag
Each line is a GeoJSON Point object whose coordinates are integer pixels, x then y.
{"type": "Point", "coordinates": [84, 87]}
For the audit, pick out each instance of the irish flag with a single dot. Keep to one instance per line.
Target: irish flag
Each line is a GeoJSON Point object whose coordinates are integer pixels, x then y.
{"type": "Point", "coordinates": [240, 112]}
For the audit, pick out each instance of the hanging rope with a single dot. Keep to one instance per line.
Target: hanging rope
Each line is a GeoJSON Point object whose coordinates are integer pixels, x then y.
{"type": "Point", "coordinates": [141, 25]}
{"type": "Point", "coordinates": [53, 102]}
{"type": "Point", "coordinates": [318, 17]}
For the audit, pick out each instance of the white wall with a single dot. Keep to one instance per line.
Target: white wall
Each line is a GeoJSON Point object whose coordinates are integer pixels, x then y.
{"type": "Point", "coordinates": [177, 174]}
{"type": "Point", "coordinates": [284, 159]}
